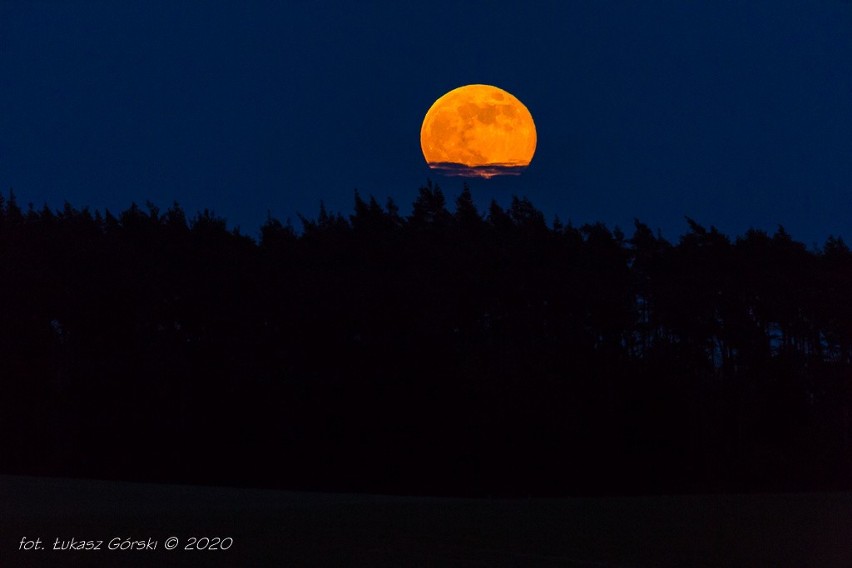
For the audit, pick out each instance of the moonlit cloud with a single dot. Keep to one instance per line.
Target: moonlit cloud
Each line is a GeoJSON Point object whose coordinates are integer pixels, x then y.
{"type": "Point", "coordinates": [484, 171]}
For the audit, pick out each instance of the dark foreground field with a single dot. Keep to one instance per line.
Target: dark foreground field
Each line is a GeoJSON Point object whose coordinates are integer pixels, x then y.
{"type": "Point", "coordinates": [277, 528]}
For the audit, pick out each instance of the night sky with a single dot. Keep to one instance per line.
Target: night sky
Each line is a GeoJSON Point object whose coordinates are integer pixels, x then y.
{"type": "Point", "coordinates": [737, 114]}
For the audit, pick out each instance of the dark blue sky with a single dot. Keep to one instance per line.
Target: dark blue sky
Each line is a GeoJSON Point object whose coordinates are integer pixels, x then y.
{"type": "Point", "coordinates": [738, 114]}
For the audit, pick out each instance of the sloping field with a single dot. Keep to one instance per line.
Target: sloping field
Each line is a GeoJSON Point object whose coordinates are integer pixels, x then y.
{"type": "Point", "coordinates": [277, 528]}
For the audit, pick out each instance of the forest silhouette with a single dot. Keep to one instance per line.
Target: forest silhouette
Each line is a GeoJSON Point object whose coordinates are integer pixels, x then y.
{"type": "Point", "coordinates": [447, 352]}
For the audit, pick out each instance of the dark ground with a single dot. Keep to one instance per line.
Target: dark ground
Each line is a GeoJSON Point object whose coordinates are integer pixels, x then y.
{"type": "Point", "coordinates": [278, 528]}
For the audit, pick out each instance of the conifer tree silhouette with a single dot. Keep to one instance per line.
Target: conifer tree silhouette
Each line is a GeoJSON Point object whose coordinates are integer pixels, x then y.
{"type": "Point", "coordinates": [443, 352]}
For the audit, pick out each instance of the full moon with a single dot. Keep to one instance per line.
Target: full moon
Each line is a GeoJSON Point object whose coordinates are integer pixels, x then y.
{"type": "Point", "coordinates": [478, 131]}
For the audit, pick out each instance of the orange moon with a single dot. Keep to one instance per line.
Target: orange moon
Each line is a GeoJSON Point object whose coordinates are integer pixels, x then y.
{"type": "Point", "coordinates": [478, 131]}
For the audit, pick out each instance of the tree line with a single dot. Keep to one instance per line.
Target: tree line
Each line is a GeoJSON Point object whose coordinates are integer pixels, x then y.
{"type": "Point", "coordinates": [449, 351]}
